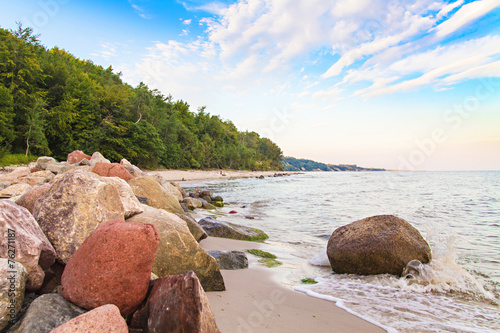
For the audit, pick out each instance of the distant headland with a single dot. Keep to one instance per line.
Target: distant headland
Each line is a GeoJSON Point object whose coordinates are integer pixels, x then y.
{"type": "Point", "coordinates": [295, 164]}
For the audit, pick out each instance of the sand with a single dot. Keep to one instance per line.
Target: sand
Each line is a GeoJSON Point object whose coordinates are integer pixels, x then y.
{"type": "Point", "coordinates": [255, 301]}
{"type": "Point", "coordinates": [201, 175]}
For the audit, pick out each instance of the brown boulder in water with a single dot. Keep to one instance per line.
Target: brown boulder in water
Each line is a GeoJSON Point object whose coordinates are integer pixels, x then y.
{"type": "Point", "coordinates": [382, 244]}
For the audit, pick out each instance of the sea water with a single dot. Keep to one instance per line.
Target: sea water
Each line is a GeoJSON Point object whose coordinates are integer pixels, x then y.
{"type": "Point", "coordinates": [458, 213]}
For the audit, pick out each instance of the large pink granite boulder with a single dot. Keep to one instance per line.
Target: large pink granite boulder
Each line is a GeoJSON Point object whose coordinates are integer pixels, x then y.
{"type": "Point", "coordinates": [177, 303]}
{"type": "Point", "coordinates": [112, 170]}
{"type": "Point", "coordinates": [112, 266]}
{"type": "Point", "coordinates": [28, 199]}
{"type": "Point", "coordinates": [76, 156]}
{"type": "Point", "coordinates": [105, 318]}
{"type": "Point", "coordinates": [24, 241]}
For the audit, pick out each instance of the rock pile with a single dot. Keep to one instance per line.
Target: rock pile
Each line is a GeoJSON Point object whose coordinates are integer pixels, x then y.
{"type": "Point", "coordinates": [77, 234]}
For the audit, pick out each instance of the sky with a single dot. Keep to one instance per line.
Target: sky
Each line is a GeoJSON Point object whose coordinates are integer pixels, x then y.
{"type": "Point", "coordinates": [406, 85]}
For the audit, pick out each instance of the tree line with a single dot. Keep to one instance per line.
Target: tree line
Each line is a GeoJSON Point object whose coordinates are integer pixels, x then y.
{"type": "Point", "coordinates": [52, 103]}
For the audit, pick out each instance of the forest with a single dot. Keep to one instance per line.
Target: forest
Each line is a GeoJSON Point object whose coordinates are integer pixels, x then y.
{"type": "Point", "coordinates": [295, 164]}
{"type": "Point", "coordinates": [52, 103]}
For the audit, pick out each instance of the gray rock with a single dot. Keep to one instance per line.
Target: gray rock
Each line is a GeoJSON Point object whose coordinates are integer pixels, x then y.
{"type": "Point", "coordinates": [43, 161]}
{"type": "Point", "coordinates": [11, 290]}
{"type": "Point", "coordinates": [195, 229]}
{"type": "Point", "coordinates": [192, 203]}
{"type": "Point", "coordinates": [46, 313]}
{"type": "Point", "coordinates": [218, 198]}
{"type": "Point", "coordinates": [230, 259]}
{"type": "Point", "coordinates": [223, 229]}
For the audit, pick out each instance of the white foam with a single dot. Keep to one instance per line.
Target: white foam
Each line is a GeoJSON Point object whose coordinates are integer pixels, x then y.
{"type": "Point", "coordinates": [320, 259]}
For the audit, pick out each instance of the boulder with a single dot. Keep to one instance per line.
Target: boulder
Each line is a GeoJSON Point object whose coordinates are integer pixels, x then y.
{"type": "Point", "coordinates": [97, 158]}
{"type": "Point", "coordinates": [130, 202]}
{"type": "Point", "coordinates": [218, 198]}
{"type": "Point", "coordinates": [112, 266]}
{"type": "Point", "coordinates": [56, 167]}
{"type": "Point", "coordinates": [172, 190]}
{"type": "Point", "coordinates": [195, 229]}
{"type": "Point", "coordinates": [15, 191]}
{"type": "Point", "coordinates": [46, 313]}
{"type": "Point", "coordinates": [180, 189]}
{"type": "Point", "coordinates": [207, 198]}
{"type": "Point", "coordinates": [43, 161]}
{"type": "Point", "coordinates": [112, 170]}
{"type": "Point", "coordinates": [25, 238]}
{"type": "Point", "coordinates": [222, 229]}
{"type": "Point", "coordinates": [77, 156]}
{"type": "Point", "coordinates": [28, 199]}
{"type": "Point", "coordinates": [192, 203]}
{"type": "Point", "coordinates": [178, 252]}
{"type": "Point", "coordinates": [208, 206]}
{"type": "Point", "coordinates": [381, 244]}
{"type": "Point", "coordinates": [13, 276]}
{"type": "Point", "coordinates": [176, 304]}
{"type": "Point", "coordinates": [74, 206]}
{"type": "Point", "coordinates": [134, 171]}
{"type": "Point", "coordinates": [105, 318]}
{"type": "Point", "coordinates": [230, 259]}
{"type": "Point", "coordinates": [15, 174]}
{"type": "Point", "coordinates": [157, 196]}
{"type": "Point", "coordinates": [209, 194]}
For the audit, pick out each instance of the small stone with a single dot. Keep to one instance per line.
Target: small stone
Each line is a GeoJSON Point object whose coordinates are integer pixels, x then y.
{"type": "Point", "coordinates": [230, 259]}
{"type": "Point", "coordinates": [105, 318]}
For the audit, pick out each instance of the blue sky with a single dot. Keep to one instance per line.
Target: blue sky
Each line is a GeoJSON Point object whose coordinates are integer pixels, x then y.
{"type": "Point", "coordinates": [410, 85]}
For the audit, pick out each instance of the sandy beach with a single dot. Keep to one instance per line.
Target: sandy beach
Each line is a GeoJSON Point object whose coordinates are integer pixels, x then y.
{"type": "Point", "coordinates": [200, 175]}
{"type": "Point", "coordinates": [254, 301]}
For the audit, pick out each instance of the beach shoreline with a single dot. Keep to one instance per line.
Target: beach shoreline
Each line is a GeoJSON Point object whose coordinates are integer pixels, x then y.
{"type": "Point", "coordinates": [191, 176]}
{"type": "Point", "coordinates": [254, 301]}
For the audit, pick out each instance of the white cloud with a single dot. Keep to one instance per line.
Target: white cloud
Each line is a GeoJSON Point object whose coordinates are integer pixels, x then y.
{"type": "Point", "coordinates": [186, 22]}
{"type": "Point", "coordinates": [465, 15]}
{"type": "Point", "coordinates": [442, 65]}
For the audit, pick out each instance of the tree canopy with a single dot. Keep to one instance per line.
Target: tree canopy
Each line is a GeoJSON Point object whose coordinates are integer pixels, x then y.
{"type": "Point", "coordinates": [52, 103]}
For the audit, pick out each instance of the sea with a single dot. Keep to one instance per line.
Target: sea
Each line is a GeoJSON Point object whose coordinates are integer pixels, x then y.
{"type": "Point", "coordinates": [457, 213]}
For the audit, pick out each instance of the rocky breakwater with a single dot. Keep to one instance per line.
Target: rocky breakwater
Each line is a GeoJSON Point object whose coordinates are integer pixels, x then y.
{"type": "Point", "coordinates": [81, 249]}
{"type": "Point", "coordinates": [383, 244]}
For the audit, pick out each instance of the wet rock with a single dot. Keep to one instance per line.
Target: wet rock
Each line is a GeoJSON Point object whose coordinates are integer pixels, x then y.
{"type": "Point", "coordinates": [74, 206]}
{"type": "Point", "coordinates": [230, 259]}
{"type": "Point", "coordinates": [112, 266]}
{"type": "Point", "coordinates": [157, 196]}
{"type": "Point", "coordinates": [218, 203]}
{"type": "Point", "coordinates": [208, 206]}
{"type": "Point", "coordinates": [217, 228]}
{"type": "Point", "coordinates": [381, 244]}
{"type": "Point", "coordinates": [178, 252]}
{"type": "Point", "coordinates": [209, 194]}
{"type": "Point", "coordinates": [176, 304]}
{"type": "Point", "coordinates": [192, 203]}
{"type": "Point", "coordinates": [23, 235]}
{"type": "Point", "coordinates": [77, 156]}
{"type": "Point", "coordinates": [105, 318]}
{"type": "Point", "coordinates": [28, 199]}
{"type": "Point", "coordinates": [11, 290]}
{"type": "Point", "coordinates": [46, 313]}
{"type": "Point", "coordinates": [218, 199]}
{"type": "Point", "coordinates": [112, 170]}
{"type": "Point", "coordinates": [207, 198]}
{"type": "Point", "coordinates": [195, 229]}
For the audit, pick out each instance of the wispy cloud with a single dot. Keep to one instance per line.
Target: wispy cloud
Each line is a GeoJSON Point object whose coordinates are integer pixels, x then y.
{"type": "Point", "coordinates": [140, 10]}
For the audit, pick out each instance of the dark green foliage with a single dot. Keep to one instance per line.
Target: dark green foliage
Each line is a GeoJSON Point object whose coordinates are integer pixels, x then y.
{"type": "Point", "coordinates": [54, 103]}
